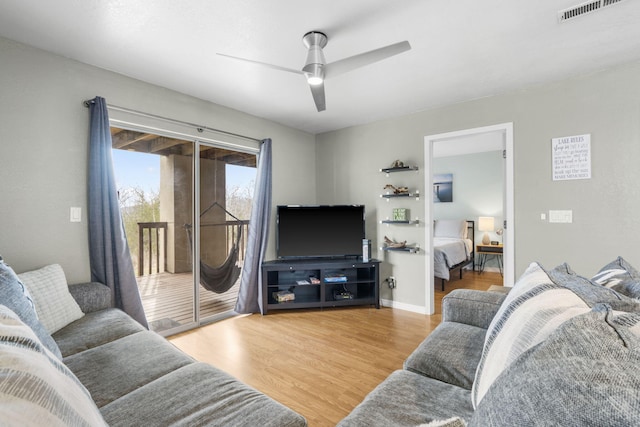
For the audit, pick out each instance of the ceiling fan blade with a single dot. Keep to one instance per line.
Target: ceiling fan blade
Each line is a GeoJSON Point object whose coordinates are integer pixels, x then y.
{"type": "Point", "coordinates": [264, 64]}
{"type": "Point", "coordinates": [318, 96]}
{"type": "Point", "coordinates": [351, 63]}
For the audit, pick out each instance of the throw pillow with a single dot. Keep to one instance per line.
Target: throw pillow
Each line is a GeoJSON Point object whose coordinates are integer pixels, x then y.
{"type": "Point", "coordinates": [585, 374]}
{"type": "Point", "coordinates": [55, 306]}
{"type": "Point", "coordinates": [537, 305]}
{"type": "Point", "coordinates": [36, 387]}
{"type": "Point", "coordinates": [620, 276]}
{"type": "Point", "coordinates": [14, 295]}
{"type": "Point", "coordinates": [533, 309]}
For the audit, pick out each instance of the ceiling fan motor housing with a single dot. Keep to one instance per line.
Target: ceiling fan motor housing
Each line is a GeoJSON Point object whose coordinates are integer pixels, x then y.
{"type": "Point", "coordinates": [313, 66]}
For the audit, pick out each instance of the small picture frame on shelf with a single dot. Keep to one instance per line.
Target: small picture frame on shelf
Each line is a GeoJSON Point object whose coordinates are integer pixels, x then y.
{"type": "Point", "coordinates": [400, 214]}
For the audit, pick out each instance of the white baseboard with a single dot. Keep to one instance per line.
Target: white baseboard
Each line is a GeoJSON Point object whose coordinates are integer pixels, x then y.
{"type": "Point", "coordinates": [402, 306]}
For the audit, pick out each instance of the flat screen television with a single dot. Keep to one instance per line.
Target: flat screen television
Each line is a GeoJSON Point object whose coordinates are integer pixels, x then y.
{"type": "Point", "coordinates": [319, 231]}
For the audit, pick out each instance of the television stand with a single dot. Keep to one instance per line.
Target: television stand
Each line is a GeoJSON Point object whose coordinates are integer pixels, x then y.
{"type": "Point", "coordinates": [319, 283]}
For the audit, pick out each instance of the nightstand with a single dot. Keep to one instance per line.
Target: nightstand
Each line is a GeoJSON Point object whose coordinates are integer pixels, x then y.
{"type": "Point", "coordinates": [485, 251]}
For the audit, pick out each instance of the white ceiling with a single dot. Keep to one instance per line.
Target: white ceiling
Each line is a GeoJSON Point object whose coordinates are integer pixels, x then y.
{"type": "Point", "coordinates": [461, 49]}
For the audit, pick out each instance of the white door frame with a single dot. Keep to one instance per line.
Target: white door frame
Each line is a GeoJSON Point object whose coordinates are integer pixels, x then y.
{"type": "Point", "coordinates": [508, 237]}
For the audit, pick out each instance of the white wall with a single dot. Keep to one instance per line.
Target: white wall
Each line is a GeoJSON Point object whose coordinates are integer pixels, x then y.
{"type": "Point", "coordinates": [43, 151]}
{"type": "Point", "coordinates": [605, 105]}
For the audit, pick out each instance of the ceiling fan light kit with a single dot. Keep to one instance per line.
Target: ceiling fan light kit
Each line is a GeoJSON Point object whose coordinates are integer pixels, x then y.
{"type": "Point", "coordinates": [316, 69]}
{"type": "Point", "coordinates": [313, 68]}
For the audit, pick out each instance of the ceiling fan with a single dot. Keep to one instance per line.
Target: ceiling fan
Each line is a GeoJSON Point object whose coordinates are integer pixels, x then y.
{"type": "Point", "coordinates": [316, 69]}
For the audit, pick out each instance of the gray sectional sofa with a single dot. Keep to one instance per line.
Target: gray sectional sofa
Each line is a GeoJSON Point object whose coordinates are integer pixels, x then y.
{"type": "Point", "coordinates": [137, 377]}
{"type": "Point", "coordinates": [557, 350]}
{"type": "Point", "coordinates": [134, 376]}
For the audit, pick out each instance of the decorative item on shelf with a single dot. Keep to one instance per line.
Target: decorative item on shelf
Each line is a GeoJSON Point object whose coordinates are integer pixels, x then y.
{"type": "Point", "coordinates": [398, 166]}
{"type": "Point", "coordinates": [400, 214]}
{"type": "Point", "coordinates": [396, 190]}
{"type": "Point", "coordinates": [284, 296]}
{"type": "Point", "coordinates": [393, 244]}
{"type": "Point", "coordinates": [485, 223]}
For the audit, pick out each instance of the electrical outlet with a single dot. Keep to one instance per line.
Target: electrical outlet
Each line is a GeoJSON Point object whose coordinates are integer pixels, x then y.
{"type": "Point", "coordinates": [391, 282]}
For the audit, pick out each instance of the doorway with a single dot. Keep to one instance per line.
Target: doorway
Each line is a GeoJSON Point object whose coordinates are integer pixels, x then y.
{"type": "Point", "coordinates": [496, 137]}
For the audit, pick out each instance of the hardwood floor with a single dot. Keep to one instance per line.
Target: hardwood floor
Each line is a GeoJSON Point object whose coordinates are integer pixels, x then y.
{"type": "Point", "coordinates": [320, 363]}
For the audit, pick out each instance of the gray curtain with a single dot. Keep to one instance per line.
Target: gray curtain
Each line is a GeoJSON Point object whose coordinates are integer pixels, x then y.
{"type": "Point", "coordinates": [108, 249]}
{"type": "Point", "coordinates": [250, 293]}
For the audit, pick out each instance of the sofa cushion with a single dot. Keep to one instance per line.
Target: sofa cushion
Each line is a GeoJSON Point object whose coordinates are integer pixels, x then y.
{"type": "Point", "coordinates": [471, 307]}
{"type": "Point", "coordinates": [92, 296]}
{"type": "Point", "coordinates": [200, 395]}
{"type": "Point", "coordinates": [90, 331]}
{"type": "Point", "coordinates": [450, 353]}
{"type": "Point", "coordinates": [538, 304]}
{"type": "Point", "coordinates": [13, 295]}
{"type": "Point", "coordinates": [116, 368]}
{"type": "Point", "coordinates": [585, 374]}
{"type": "Point", "coordinates": [620, 276]}
{"type": "Point", "coordinates": [55, 306]}
{"type": "Point", "coordinates": [409, 399]}
{"type": "Point", "coordinates": [36, 387]}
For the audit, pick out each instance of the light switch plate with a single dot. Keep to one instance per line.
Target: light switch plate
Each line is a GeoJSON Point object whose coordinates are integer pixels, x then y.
{"type": "Point", "coordinates": [75, 214]}
{"type": "Point", "coordinates": [561, 216]}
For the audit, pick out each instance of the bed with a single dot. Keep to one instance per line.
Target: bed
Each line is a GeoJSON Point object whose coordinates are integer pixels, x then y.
{"type": "Point", "coordinates": [452, 247]}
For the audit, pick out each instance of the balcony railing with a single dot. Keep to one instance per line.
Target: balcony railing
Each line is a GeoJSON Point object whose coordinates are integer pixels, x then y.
{"type": "Point", "coordinates": [152, 247]}
{"type": "Point", "coordinates": [153, 251]}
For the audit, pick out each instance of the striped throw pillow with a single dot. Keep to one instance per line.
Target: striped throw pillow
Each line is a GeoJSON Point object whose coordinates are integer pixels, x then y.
{"type": "Point", "coordinates": [620, 276]}
{"type": "Point", "coordinates": [537, 305]}
{"type": "Point", "coordinates": [36, 387]}
{"type": "Point", "coordinates": [533, 309]}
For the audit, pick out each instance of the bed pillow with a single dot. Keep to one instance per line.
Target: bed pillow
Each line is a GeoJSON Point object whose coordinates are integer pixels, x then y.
{"type": "Point", "coordinates": [55, 306]}
{"type": "Point", "coordinates": [36, 387]}
{"type": "Point", "coordinates": [620, 276]}
{"type": "Point", "coordinates": [14, 295]}
{"type": "Point", "coordinates": [585, 374]}
{"type": "Point", "coordinates": [454, 228]}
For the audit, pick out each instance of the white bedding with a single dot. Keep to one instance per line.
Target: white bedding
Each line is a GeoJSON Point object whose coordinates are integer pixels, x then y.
{"type": "Point", "coordinates": [447, 252]}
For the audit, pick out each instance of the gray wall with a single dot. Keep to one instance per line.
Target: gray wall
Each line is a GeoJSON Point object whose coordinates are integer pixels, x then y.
{"type": "Point", "coordinates": [605, 105]}
{"type": "Point", "coordinates": [43, 151]}
{"type": "Point", "coordinates": [43, 162]}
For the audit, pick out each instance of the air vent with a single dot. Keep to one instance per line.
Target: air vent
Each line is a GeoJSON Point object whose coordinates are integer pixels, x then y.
{"type": "Point", "coordinates": [584, 8]}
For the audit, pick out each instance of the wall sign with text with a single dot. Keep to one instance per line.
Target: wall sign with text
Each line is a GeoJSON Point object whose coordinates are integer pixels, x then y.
{"type": "Point", "coordinates": [571, 157]}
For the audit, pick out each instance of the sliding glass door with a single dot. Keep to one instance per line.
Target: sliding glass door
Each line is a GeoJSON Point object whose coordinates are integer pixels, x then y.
{"type": "Point", "coordinates": [161, 185]}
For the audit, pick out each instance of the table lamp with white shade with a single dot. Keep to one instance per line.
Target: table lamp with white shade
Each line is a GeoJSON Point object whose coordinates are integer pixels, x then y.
{"type": "Point", "coordinates": [485, 223]}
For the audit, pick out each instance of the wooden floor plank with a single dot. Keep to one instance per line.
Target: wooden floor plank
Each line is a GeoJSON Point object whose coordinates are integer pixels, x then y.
{"type": "Point", "coordinates": [320, 363]}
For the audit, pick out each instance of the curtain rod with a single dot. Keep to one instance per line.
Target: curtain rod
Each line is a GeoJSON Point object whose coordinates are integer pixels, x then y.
{"type": "Point", "coordinates": [199, 128]}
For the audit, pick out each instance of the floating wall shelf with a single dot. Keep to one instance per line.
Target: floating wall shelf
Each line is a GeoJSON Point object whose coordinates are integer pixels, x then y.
{"type": "Point", "coordinates": [402, 169]}
{"type": "Point", "coordinates": [408, 222]}
{"type": "Point", "coordinates": [410, 249]}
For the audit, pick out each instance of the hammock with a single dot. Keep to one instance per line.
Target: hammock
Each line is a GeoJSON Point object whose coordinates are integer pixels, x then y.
{"type": "Point", "coordinates": [221, 278]}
